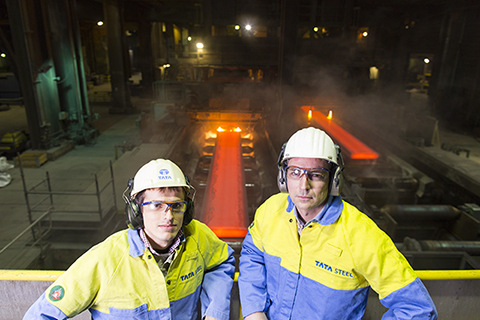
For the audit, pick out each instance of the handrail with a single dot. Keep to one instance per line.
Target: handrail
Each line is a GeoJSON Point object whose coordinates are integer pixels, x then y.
{"type": "Point", "coordinates": [448, 274]}
{"type": "Point", "coordinates": [42, 275]}
{"type": "Point", "coordinates": [25, 231]}
{"type": "Point", "coordinates": [30, 246]}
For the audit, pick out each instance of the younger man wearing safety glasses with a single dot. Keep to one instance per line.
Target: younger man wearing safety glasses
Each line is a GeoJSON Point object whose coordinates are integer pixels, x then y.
{"type": "Point", "coordinates": [310, 255]}
{"type": "Point", "coordinates": [159, 268]}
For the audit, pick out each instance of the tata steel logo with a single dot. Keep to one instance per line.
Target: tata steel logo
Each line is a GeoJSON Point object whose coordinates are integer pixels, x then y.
{"type": "Point", "coordinates": [164, 175]}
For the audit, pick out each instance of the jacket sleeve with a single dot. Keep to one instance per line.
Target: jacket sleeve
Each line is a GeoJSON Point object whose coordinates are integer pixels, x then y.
{"type": "Point", "coordinates": [252, 282]}
{"type": "Point", "coordinates": [389, 273]}
{"type": "Point", "coordinates": [218, 280]}
{"type": "Point", "coordinates": [412, 301]}
{"type": "Point", "coordinates": [42, 309]}
{"type": "Point", "coordinates": [72, 293]}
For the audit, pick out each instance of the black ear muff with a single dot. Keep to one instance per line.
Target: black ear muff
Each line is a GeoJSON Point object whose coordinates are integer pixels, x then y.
{"type": "Point", "coordinates": [336, 183]}
{"type": "Point", "coordinates": [190, 212]}
{"type": "Point", "coordinates": [281, 177]}
{"type": "Point", "coordinates": [133, 213]}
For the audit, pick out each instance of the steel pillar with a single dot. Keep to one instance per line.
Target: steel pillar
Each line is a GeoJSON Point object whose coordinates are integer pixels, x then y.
{"type": "Point", "coordinates": [36, 72]}
{"type": "Point", "coordinates": [67, 55]}
{"type": "Point", "coordinates": [146, 59]}
{"type": "Point", "coordinates": [117, 57]}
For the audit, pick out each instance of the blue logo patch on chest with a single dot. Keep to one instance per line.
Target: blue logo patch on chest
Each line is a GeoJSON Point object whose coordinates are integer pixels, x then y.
{"type": "Point", "coordinates": [191, 274]}
{"type": "Point", "coordinates": [333, 270]}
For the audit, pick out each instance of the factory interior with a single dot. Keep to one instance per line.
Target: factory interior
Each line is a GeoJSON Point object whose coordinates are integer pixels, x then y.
{"type": "Point", "coordinates": [90, 90]}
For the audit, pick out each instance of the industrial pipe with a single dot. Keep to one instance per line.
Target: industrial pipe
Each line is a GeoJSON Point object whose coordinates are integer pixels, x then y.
{"type": "Point", "coordinates": [421, 212]}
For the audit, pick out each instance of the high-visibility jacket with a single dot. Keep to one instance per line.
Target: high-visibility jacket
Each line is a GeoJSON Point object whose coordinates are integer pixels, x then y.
{"type": "Point", "coordinates": [326, 272]}
{"type": "Point", "coordinates": [120, 279]}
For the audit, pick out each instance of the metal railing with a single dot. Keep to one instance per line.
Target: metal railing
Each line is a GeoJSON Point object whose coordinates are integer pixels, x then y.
{"type": "Point", "coordinates": [49, 275]}
{"type": "Point", "coordinates": [49, 194]}
{"type": "Point", "coordinates": [38, 237]}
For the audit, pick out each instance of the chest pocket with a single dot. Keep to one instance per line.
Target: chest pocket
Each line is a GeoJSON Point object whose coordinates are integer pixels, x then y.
{"type": "Point", "coordinates": [188, 275]}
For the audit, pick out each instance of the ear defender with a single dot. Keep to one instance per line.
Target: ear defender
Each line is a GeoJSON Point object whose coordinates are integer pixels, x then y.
{"type": "Point", "coordinates": [133, 213]}
{"type": "Point", "coordinates": [190, 212]}
{"type": "Point", "coordinates": [336, 183]}
{"type": "Point", "coordinates": [281, 178]}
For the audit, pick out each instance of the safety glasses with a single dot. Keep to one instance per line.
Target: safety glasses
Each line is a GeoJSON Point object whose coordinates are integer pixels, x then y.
{"type": "Point", "coordinates": [313, 174]}
{"type": "Point", "coordinates": [159, 206]}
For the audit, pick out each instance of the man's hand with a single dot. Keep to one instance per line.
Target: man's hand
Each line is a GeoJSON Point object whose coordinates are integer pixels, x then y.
{"type": "Point", "coordinates": [256, 316]}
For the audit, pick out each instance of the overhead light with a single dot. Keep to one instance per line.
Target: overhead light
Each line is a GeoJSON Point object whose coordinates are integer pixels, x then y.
{"type": "Point", "coordinates": [315, 29]}
{"type": "Point", "coordinates": [199, 45]}
{"type": "Point", "coordinates": [365, 33]}
{"type": "Point", "coordinates": [248, 27]}
{"type": "Point", "coordinates": [189, 38]}
{"type": "Point", "coordinates": [237, 27]}
{"type": "Point", "coordinates": [426, 60]}
{"type": "Point", "coordinates": [100, 23]}
{"type": "Point", "coordinates": [3, 55]}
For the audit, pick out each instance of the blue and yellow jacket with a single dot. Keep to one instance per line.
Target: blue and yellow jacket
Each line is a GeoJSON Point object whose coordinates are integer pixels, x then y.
{"type": "Point", "coordinates": [326, 272]}
{"type": "Point", "coordinates": [119, 279]}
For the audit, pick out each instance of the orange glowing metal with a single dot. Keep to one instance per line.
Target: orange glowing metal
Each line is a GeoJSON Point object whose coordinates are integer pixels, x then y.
{"type": "Point", "coordinates": [330, 115]}
{"type": "Point", "coordinates": [225, 206]}
{"type": "Point", "coordinates": [309, 115]}
{"type": "Point", "coordinates": [220, 129]}
{"type": "Point", "coordinates": [248, 136]}
{"type": "Point", "coordinates": [210, 135]}
{"type": "Point", "coordinates": [350, 145]}
{"type": "Point", "coordinates": [237, 129]}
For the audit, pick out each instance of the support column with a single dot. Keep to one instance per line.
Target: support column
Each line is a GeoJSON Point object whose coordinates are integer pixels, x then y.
{"type": "Point", "coordinates": [146, 59]}
{"type": "Point", "coordinates": [68, 65]}
{"type": "Point", "coordinates": [117, 58]}
{"type": "Point", "coordinates": [283, 124]}
{"type": "Point", "coordinates": [36, 72]}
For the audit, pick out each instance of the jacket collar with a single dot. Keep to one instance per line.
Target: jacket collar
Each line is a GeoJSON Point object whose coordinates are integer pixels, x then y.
{"type": "Point", "coordinates": [329, 212]}
{"type": "Point", "coordinates": [137, 247]}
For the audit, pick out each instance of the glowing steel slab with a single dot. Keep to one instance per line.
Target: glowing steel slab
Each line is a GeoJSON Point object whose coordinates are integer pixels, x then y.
{"type": "Point", "coordinates": [225, 204]}
{"type": "Point", "coordinates": [353, 147]}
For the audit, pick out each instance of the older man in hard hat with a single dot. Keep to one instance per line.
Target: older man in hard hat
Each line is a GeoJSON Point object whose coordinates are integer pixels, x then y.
{"type": "Point", "coordinates": [310, 255]}
{"type": "Point", "coordinates": [159, 268]}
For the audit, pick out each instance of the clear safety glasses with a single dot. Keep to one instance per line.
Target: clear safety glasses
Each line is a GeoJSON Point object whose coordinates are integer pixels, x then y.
{"type": "Point", "coordinates": [158, 206]}
{"type": "Point", "coordinates": [313, 174]}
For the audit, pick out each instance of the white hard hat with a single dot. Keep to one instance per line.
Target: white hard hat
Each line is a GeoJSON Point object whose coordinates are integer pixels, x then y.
{"type": "Point", "coordinates": [158, 173]}
{"type": "Point", "coordinates": [311, 143]}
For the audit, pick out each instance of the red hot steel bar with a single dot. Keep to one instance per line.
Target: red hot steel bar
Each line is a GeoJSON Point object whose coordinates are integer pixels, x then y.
{"type": "Point", "coordinates": [225, 203]}
{"type": "Point", "coordinates": [351, 146]}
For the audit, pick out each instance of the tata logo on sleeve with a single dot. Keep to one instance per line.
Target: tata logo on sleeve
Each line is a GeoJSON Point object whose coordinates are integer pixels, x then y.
{"type": "Point", "coordinates": [164, 175]}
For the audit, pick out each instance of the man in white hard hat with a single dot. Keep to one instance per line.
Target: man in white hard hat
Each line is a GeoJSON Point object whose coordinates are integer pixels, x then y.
{"type": "Point", "coordinates": [310, 255]}
{"type": "Point", "coordinates": [159, 268]}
